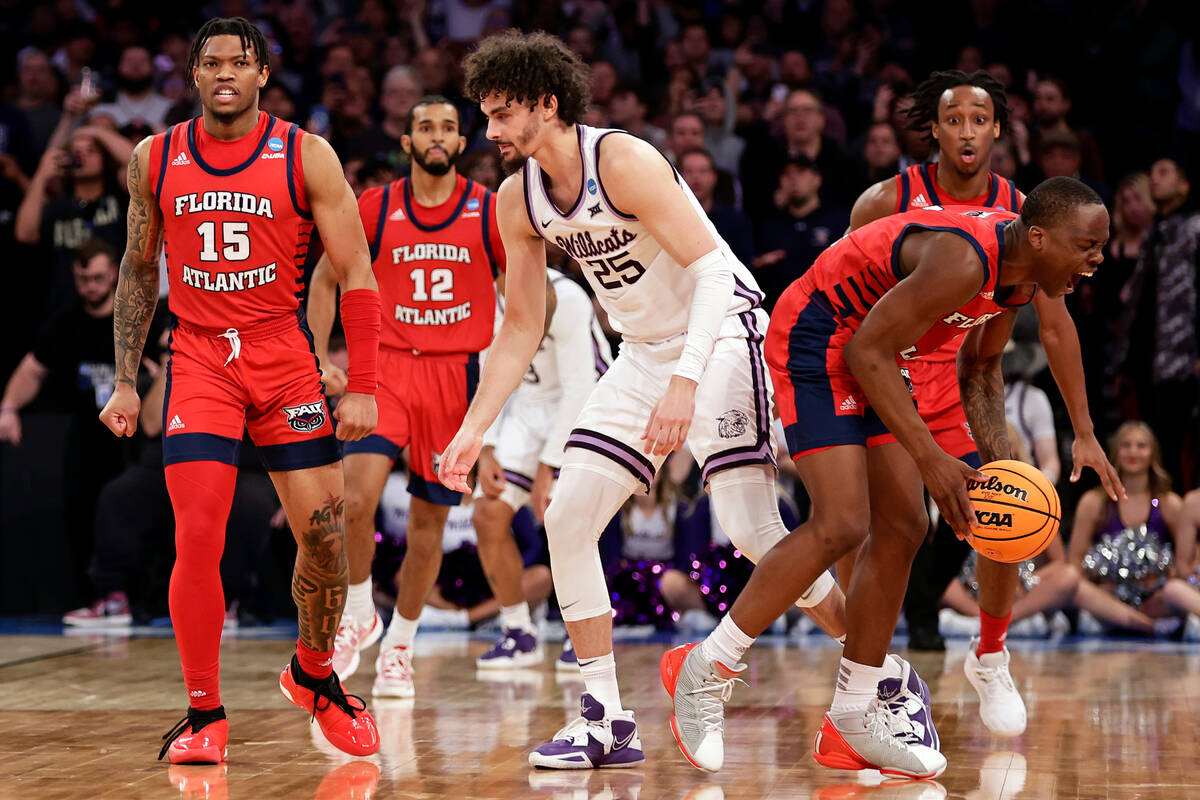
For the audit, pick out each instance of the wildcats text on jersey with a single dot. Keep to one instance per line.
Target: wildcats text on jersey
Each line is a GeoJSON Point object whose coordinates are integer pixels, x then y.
{"type": "Point", "coordinates": [240, 202]}
{"type": "Point", "coordinates": [228, 281]}
{"type": "Point", "coordinates": [433, 316]}
{"type": "Point", "coordinates": [431, 251]}
{"type": "Point", "coordinates": [582, 245]}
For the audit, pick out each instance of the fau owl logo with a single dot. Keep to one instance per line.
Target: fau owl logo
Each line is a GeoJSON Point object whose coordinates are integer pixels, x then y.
{"type": "Point", "coordinates": [306, 417]}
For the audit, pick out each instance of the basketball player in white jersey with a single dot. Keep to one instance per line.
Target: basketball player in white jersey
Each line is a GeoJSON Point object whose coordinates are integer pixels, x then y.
{"type": "Point", "coordinates": [522, 452]}
{"type": "Point", "coordinates": [690, 370]}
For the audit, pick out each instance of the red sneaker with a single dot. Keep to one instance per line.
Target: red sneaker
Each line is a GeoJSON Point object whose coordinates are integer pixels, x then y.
{"type": "Point", "coordinates": [343, 718]}
{"type": "Point", "coordinates": [198, 738]}
{"type": "Point", "coordinates": [672, 663]}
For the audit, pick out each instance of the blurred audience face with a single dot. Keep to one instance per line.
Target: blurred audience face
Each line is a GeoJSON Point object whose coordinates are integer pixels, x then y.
{"type": "Point", "coordinates": [799, 185]}
{"type": "Point", "coordinates": [96, 280]}
{"type": "Point", "coordinates": [339, 60]}
{"type": "Point", "coordinates": [350, 170]}
{"type": "Point", "coordinates": [486, 170]}
{"type": "Point", "coordinates": [275, 101]}
{"type": "Point", "coordinates": [966, 128]}
{"type": "Point", "coordinates": [400, 92]}
{"type": "Point", "coordinates": [970, 58]}
{"type": "Point", "coordinates": [693, 43]}
{"type": "Point", "coordinates": [1050, 105]}
{"type": "Point", "coordinates": [135, 71]}
{"type": "Point", "coordinates": [581, 41]}
{"type": "Point", "coordinates": [86, 157]}
{"type": "Point", "coordinates": [1004, 163]}
{"type": "Point", "coordinates": [1168, 185]}
{"type": "Point", "coordinates": [687, 131]}
{"type": "Point", "coordinates": [803, 119]}
{"type": "Point", "coordinates": [1001, 72]}
{"type": "Point", "coordinates": [711, 106]}
{"type": "Point", "coordinates": [698, 171]}
{"type": "Point", "coordinates": [176, 48]}
{"type": "Point", "coordinates": [882, 148]}
{"type": "Point", "coordinates": [794, 69]}
{"type": "Point", "coordinates": [1135, 448]}
{"type": "Point", "coordinates": [37, 83]}
{"type": "Point", "coordinates": [434, 143]}
{"type": "Point", "coordinates": [603, 80]}
{"type": "Point", "coordinates": [431, 68]}
{"type": "Point", "coordinates": [1060, 161]}
{"type": "Point", "coordinates": [1133, 207]}
{"type": "Point", "coordinates": [626, 110]}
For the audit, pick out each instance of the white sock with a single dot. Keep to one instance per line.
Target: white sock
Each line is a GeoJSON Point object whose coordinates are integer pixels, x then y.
{"type": "Point", "coordinates": [727, 643]}
{"type": "Point", "coordinates": [600, 678]}
{"type": "Point", "coordinates": [516, 617]}
{"type": "Point", "coordinates": [400, 632]}
{"type": "Point", "coordinates": [856, 685]}
{"type": "Point", "coordinates": [359, 603]}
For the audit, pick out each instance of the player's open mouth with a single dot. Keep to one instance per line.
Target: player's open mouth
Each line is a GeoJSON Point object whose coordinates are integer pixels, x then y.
{"type": "Point", "coordinates": [225, 93]}
{"type": "Point", "coordinates": [968, 155]}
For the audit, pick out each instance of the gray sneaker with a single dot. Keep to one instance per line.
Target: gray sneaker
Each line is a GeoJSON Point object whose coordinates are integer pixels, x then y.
{"type": "Point", "coordinates": [700, 689]}
{"type": "Point", "coordinates": [875, 739]}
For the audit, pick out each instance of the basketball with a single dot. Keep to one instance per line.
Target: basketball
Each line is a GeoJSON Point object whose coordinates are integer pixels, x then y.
{"type": "Point", "coordinates": [1017, 511]}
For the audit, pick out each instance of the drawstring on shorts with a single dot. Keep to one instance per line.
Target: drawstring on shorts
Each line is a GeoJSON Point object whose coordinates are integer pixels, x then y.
{"type": "Point", "coordinates": [235, 345]}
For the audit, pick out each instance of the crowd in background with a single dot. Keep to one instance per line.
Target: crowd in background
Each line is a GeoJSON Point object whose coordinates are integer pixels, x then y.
{"type": "Point", "coordinates": [777, 114]}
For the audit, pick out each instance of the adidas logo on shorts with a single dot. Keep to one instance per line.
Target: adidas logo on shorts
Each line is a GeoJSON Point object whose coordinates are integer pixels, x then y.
{"type": "Point", "coordinates": [176, 424]}
{"type": "Point", "coordinates": [849, 404]}
{"type": "Point", "coordinates": [180, 160]}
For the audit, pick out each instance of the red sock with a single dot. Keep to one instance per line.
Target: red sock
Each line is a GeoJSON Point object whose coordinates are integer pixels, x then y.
{"type": "Point", "coordinates": [992, 632]}
{"type": "Point", "coordinates": [315, 663]}
{"type": "Point", "coordinates": [201, 494]}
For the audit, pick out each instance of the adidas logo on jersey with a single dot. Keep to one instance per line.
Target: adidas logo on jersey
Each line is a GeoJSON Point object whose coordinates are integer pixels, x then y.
{"type": "Point", "coordinates": [920, 200]}
{"type": "Point", "coordinates": [176, 424]}
{"type": "Point", "coordinates": [181, 160]}
{"type": "Point", "coordinates": [397, 215]}
{"type": "Point", "coordinates": [849, 404]}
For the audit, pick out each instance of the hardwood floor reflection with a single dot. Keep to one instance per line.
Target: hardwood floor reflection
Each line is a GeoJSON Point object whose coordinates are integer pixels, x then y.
{"type": "Point", "coordinates": [82, 719]}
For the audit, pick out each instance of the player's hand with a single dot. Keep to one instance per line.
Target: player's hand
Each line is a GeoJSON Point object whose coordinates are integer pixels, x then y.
{"type": "Point", "coordinates": [946, 478]}
{"type": "Point", "coordinates": [540, 494]}
{"type": "Point", "coordinates": [121, 411]}
{"type": "Point", "coordinates": [671, 418]}
{"type": "Point", "coordinates": [335, 379]}
{"type": "Point", "coordinates": [357, 416]}
{"type": "Point", "coordinates": [10, 426]}
{"type": "Point", "coordinates": [458, 459]}
{"type": "Point", "coordinates": [1087, 452]}
{"type": "Point", "coordinates": [491, 474]}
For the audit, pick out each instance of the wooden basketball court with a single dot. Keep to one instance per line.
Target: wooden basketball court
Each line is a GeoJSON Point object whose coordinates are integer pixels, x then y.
{"type": "Point", "coordinates": [82, 716]}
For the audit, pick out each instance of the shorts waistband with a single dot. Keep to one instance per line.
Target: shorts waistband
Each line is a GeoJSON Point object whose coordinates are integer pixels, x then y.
{"type": "Point", "coordinates": [260, 330]}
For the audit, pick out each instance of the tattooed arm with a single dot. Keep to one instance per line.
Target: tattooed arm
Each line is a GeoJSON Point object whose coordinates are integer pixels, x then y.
{"type": "Point", "coordinates": [982, 386]}
{"type": "Point", "coordinates": [137, 294]}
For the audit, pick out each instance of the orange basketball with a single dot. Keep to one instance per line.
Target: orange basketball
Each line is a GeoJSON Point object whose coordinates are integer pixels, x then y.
{"type": "Point", "coordinates": [1017, 511]}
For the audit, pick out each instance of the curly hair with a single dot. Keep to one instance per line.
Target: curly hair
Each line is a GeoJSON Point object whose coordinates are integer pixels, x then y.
{"type": "Point", "coordinates": [250, 36]}
{"type": "Point", "coordinates": [528, 68]}
{"type": "Point", "coordinates": [928, 94]}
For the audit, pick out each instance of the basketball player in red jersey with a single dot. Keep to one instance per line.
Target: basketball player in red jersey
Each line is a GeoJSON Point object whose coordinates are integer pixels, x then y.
{"type": "Point", "coordinates": [964, 115]}
{"type": "Point", "coordinates": [232, 196]}
{"type": "Point", "coordinates": [436, 251]}
{"type": "Point", "coordinates": [897, 289]}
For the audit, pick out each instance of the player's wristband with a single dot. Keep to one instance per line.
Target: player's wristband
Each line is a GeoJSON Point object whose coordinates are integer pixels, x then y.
{"type": "Point", "coordinates": [361, 311]}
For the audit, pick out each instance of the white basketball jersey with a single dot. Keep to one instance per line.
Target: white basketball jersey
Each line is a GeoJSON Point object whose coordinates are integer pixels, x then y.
{"type": "Point", "coordinates": [646, 293]}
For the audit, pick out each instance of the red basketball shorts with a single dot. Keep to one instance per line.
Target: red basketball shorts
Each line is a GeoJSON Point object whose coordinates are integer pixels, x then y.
{"type": "Point", "coordinates": [935, 386]}
{"type": "Point", "coordinates": [264, 381]}
{"type": "Point", "coordinates": [422, 401]}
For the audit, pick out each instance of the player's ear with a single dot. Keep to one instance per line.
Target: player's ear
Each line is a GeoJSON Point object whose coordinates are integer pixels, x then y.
{"type": "Point", "coordinates": [462, 144]}
{"type": "Point", "coordinates": [263, 74]}
{"type": "Point", "coordinates": [933, 130]}
{"type": "Point", "coordinates": [549, 106]}
{"type": "Point", "coordinates": [406, 143]}
{"type": "Point", "coordinates": [1037, 237]}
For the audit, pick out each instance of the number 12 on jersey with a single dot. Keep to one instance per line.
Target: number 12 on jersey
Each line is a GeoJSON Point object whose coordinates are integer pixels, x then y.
{"type": "Point", "coordinates": [441, 285]}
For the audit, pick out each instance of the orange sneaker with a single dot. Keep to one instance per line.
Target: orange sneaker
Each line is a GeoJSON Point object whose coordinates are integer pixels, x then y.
{"type": "Point", "coordinates": [198, 738]}
{"type": "Point", "coordinates": [343, 718]}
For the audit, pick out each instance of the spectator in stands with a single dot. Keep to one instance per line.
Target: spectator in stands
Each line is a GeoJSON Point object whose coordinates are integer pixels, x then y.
{"type": "Point", "coordinates": [1060, 155]}
{"type": "Point", "coordinates": [700, 172]}
{"type": "Point", "coordinates": [1134, 553]}
{"type": "Point", "coordinates": [137, 105]}
{"type": "Point", "coordinates": [604, 81]}
{"type": "Point", "coordinates": [483, 166]}
{"type": "Point", "coordinates": [685, 132]}
{"type": "Point", "coordinates": [1051, 105]}
{"type": "Point", "coordinates": [278, 101]}
{"type": "Point", "coordinates": [802, 226]}
{"type": "Point", "coordinates": [401, 90]}
{"type": "Point", "coordinates": [70, 369]}
{"type": "Point", "coordinates": [37, 96]}
{"type": "Point", "coordinates": [92, 202]}
{"type": "Point", "coordinates": [881, 153]}
{"type": "Point", "coordinates": [1157, 348]}
{"type": "Point", "coordinates": [717, 108]}
{"type": "Point", "coordinates": [627, 110]}
{"type": "Point", "coordinates": [695, 49]}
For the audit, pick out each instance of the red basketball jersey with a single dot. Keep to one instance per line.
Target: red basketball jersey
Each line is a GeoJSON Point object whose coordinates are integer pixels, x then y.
{"type": "Point", "coordinates": [916, 187]}
{"type": "Point", "coordinates": [236, 222]}
{"type": "Point", "coordinates": [858, 269]}
{"type": "Point", "coordinates": [436, 267]}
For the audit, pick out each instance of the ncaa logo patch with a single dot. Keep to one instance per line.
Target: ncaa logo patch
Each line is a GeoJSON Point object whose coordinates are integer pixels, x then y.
{"type": "Point", "coordinates": [732, 424]}
{"type": "Point", "coordinates": [473, 204]}
{"type": "Point", "coordinates": [591, 185]}
{"type": "Point", "coordinates": [306, 417]}
{"type": "Point", "coordinates": [275, 144]}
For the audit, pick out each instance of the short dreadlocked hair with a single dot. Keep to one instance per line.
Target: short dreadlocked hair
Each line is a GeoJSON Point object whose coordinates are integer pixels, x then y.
{"type": "Point", "coordinates": [928, 94]}
{"type": "Point", "coordinates": [1054, 198]}
{"type": "Point", "coordinates": [528, 68]}
{"type": "Point", "coordinates": [250, 36]}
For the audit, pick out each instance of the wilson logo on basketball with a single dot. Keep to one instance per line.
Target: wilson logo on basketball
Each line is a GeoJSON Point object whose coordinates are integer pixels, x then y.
{"type": "Point", "coordinates": [993, 484]}
{"type": "Point", "coordinates": [994, 519]}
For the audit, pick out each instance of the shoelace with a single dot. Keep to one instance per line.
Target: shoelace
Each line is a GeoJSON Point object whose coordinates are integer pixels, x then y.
{"type": "Point", "coordinates": [331, 690]}
{"type": "Point", "coordinates": [196, 719]}
{"type": "Point", "coordinates": [713, 694]}
{"type": "Point", "coordinates": [576, 727]}
{"type": "Point", "coordinates": [235, 344]}
{"type": "Point", "coordinates": [889, 728]}
{"type": "Point", "coordinates": [993, 677]}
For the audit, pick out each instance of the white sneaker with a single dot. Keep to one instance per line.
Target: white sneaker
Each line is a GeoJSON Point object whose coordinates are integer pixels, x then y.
{"type": "Point", "coordinates": [1033, 627]}
{"type": "Point", "coordinates": [953, 624]}
{"type": "Point", "coordinates": [875, 739]}
{"type": "Point", "coordinates": [1191, 631]}
{"type": "Point", "coordinates": [700, 689]}
{"type": "Point", "coordinates": [393, 673]}
{"type": "Point", "coordinates": [352, 638]}
{"type": "Point", "coordinates": [1089, 625]}
{"type": "Point", "coordinates": [1000, 704]}
{"type": "Point", "coordinates": [445, 619]}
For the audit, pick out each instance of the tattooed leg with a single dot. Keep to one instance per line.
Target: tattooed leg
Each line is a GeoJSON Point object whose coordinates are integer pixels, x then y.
{"type": "Point", "coordinates": [320, 579]}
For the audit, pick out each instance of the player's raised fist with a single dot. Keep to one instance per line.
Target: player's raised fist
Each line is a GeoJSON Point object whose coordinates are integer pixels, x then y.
{"type": "Point", "coordinates": [357, 416]}
{"type": "Point", "coordinates": [458, 459]}
{"type": "Point", "coordinates": [121, 411]}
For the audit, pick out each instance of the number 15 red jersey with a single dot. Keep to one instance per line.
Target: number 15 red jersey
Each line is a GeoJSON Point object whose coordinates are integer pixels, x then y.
{"type": "Point", "coordinates": [236, 223]}
{"type": "Point", "coordinates": [436, 267]}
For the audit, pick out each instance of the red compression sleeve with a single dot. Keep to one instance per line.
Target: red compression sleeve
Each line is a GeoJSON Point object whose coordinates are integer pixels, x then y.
{"type": "Point", "coordinates": [361, 311]}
